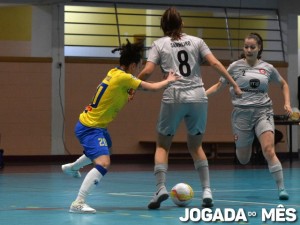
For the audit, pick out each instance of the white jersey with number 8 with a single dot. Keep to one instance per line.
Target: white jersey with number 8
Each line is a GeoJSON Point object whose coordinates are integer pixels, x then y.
{"type": "Point", "coordinates": [183, 56]}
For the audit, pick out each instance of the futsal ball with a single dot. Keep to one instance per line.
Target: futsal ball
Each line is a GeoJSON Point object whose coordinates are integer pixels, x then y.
{"type": "Point", "coordinates": [295, 116]}
{"type": "Point", "coordinates": [182, 194]}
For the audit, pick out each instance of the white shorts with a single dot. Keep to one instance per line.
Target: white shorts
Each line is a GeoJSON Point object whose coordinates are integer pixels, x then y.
{"type": "Point", "coordinates": [171, 114]}
{"type": "Point", "coordinates": [247, 122]}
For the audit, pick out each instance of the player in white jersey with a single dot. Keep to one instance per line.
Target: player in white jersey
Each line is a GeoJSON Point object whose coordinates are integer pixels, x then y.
{"type": "Point", "coordinates": [253, 113]}
{"type": "Point", "coordinates": [184, 99]}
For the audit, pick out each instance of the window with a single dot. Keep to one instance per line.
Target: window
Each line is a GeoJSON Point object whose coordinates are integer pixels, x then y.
{"type": "Point", "coordinates": [92, 31]}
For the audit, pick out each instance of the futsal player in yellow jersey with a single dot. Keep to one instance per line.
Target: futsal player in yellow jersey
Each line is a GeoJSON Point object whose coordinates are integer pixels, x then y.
{"type": "Point", "coordinates": [113, 93]}
{"type": "Point", "coordinates": [91, 129]}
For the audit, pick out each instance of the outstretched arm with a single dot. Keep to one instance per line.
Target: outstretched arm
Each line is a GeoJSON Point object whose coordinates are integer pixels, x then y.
{"type": "Point", "coordinates": [147, 71]}
{"type": "Point", "coordinates": [218, 66]}
{"type": "Point", "coordinates": [143, 75]}
{"type": "Point", "coordinates": [159, 85]}
{"type": "Point", "coordinates": [214, 89]}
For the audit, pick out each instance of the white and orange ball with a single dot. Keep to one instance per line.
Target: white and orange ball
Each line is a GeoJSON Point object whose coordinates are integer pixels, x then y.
{"type": "Point", "coordinates": [182, 194]}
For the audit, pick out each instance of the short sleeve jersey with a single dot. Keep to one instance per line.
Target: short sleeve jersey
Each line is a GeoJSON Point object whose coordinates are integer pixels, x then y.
{"type": "Point", "coordinates": [253, 82]}
{"type": "Point", "coordinates": [110, 98]}
{"type": "Point", "coordinates": [184, 57]}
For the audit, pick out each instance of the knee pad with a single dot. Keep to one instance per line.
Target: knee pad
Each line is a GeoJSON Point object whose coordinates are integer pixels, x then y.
{"type": "Point", "coordinates": [244, 154]}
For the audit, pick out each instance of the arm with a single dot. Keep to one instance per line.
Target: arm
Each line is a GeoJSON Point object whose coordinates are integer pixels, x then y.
{"type": "Point", "coordinates": [286, 95]}
{"type": "Point", "coordinates": [214, 89]}
{"type": "Point", "coordinates": [147, 71]}
{"type": "Point", "coordinates": [159, 85]}
{"type": "Point", "coordinates": [143, 75]}
{"type": "Point", "coordinates": [218, 66]}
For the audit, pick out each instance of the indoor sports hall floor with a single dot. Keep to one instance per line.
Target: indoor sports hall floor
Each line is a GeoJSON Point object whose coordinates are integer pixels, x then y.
{"type": "Point", "coordinates": [41, 195]}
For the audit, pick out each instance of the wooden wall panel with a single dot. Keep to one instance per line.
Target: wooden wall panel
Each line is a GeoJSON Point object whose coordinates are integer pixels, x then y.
{"type": "Point", "coordinates": [25, 116]}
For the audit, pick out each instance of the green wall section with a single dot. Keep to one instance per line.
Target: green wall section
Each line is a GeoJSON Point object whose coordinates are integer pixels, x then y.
{"type": "Point", "coordinates": [15, 23]}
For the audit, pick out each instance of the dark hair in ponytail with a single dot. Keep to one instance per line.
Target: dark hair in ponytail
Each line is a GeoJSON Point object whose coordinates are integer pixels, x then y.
{"type": "Point", "coordinates": [129, 53]}
{"type": "Point", "coordinates": [171, 23]}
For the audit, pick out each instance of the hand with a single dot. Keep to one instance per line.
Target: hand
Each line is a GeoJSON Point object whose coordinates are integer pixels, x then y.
{"type": "Point", "coordinates": [172, 76]}
{"type": "Point", "coordinates": [237, 91]}
{"type": "Point", "coordinates": [288, 109]}
{"type": "Point", "coordinates": [131, 94]}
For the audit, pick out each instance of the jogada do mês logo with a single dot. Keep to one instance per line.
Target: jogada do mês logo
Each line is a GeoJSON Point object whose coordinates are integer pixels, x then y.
{"type": "Point", "coordinates": [278, 214]}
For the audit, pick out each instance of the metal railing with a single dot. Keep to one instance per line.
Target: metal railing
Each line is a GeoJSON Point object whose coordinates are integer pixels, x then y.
{"type": "Point", "coordinates": [94, 31]}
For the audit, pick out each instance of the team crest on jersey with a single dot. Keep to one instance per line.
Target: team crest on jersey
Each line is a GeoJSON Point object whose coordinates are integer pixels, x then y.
{"type": "Point", "coordinates": [262, 71]}
{"type": "Point", "coordinates": [254, 83]}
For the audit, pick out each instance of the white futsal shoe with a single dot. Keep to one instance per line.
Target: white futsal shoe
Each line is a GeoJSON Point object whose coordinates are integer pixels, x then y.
{"type": "Point", "coordinates": [207, 198]}
{"type": "Point", "coordinates": [160, 196]}
{"type": "Point", "coordinates": [67, 169]}
{"type": "Point", "coordinates": [81, 207]}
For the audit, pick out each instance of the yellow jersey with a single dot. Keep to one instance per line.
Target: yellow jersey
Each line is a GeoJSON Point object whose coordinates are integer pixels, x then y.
{"type": "Point", "coordinates": [110, 98]}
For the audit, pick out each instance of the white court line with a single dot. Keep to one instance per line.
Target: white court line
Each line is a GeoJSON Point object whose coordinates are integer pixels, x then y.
{"type": "Point", "coordinates": [214, 190]}
{"type": "Point", "coordinates": [258, 203]}
{"type": "Point", "coordinates": [130, 194]}
{"type": "Point", "coordinates": [247, 190]}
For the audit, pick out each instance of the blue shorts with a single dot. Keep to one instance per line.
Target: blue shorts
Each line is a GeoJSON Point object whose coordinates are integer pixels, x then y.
{"type": "Point", "coordinates": [95, 141]}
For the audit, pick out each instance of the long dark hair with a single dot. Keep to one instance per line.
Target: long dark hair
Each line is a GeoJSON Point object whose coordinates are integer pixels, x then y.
{"type": "Point", "coordinates": [171, 23]}
{"type": "Point", "coordinates": [259, 41]}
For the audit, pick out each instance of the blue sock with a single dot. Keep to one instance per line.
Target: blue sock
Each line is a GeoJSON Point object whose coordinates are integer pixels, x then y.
{"type": "Point", "coordinates": [101, 169]}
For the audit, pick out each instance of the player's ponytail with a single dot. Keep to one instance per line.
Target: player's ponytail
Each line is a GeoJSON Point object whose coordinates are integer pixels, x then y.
{"type": "Point", "coordinates": [171, 23]}
{"type": "Point", "coordinates": [129, 53]}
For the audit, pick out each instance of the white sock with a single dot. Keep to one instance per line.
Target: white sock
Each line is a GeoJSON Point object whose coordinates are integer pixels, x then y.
{"type": "Point", "coordinates": [160, 172]}
{"type": "Point", "coordinates": [201, 167]}
{"type": "Point", "coordinates": [81, 162]}
{"type": "Point", "coordinates": [277, 174]}
{"type": "Point", "coordinates": [89, 183]}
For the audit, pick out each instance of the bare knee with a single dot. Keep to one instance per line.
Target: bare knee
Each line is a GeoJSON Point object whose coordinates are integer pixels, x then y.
{"type": "Point", "coordinates": [195, 147]}
{"type": "Point", "coordinates": [103, 161]}
{"type": "Point", "coordinates": [269, 151]}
